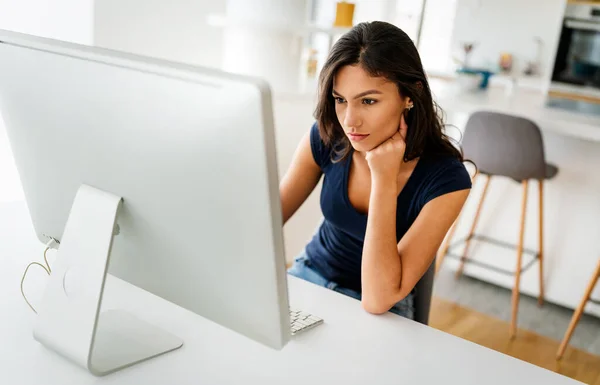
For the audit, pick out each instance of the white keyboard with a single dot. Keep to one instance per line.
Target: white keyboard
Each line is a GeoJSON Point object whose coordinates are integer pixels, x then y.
{"type": "Point", "coordinates": [301, 321]}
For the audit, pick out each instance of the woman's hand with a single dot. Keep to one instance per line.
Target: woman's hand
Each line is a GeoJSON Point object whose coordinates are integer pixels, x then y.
{"type": "Point", "coordinates": [386, 159]}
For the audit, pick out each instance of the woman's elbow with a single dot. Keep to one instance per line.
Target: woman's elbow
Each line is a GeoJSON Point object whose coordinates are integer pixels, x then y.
{"type": "Point", "coordinates": [374, 307]}
{"type": "Point", "coordinates": [382, 305]}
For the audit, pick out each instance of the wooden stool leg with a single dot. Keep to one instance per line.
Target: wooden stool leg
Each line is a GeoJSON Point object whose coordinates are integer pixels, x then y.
{"type": "Point", "coordinates": [578, 312]}
{"type": "Point", "coordinates": [515, 293]}
{"type": "Point", "coordinates": [473, 226]}
{"type": "Point", "coordinates": [541, 246]}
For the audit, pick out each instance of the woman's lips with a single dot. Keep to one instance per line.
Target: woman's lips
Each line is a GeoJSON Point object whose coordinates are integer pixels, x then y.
{"type": "Point", "coordinates": [357, 137]}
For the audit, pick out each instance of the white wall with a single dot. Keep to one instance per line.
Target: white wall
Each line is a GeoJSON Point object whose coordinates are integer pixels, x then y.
{"type": "Point", "coordinates": [269, 53]}
{"type": "Point", "coordinates": [509, 26]}
{"type": "Point", "coordinates": [174, 30]}
{"type": "Point", "coordinates": [69, 20]}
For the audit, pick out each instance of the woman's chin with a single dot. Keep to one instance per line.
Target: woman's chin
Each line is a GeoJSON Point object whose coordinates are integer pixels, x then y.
{"type": "Point", "coordinates": [361, 147]}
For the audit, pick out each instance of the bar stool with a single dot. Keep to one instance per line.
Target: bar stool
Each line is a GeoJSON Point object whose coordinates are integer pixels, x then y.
{"type": "Point", "coordinates": [509, 146]}
{"type": "Point", "coordinates": [579, 311]}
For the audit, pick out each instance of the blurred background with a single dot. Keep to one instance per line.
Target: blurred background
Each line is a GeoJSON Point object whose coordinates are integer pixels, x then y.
{"type": "Point", "coordinates": [536, 59]}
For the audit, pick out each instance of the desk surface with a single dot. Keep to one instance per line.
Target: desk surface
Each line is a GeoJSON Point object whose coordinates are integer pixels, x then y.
{"type": "Point", "coordinates": [352, 347]}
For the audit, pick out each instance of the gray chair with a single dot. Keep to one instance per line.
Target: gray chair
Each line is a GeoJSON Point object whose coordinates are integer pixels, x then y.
{"type": "Point", "coordinates": [507, 146]}
{"type": "Point", "coordinates": [423, 292]}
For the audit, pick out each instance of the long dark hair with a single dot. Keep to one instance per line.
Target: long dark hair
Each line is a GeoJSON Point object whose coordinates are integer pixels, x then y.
{"type": "Point", "coordinates": [382, 49]}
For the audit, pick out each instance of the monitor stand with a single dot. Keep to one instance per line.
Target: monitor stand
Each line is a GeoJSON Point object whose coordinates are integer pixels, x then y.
{"type": "Point", "coordinates": [69, 320]}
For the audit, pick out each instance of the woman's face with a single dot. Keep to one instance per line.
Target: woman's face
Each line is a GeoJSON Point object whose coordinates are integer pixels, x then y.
{"type": "Point", "coordinates": [368, 108]}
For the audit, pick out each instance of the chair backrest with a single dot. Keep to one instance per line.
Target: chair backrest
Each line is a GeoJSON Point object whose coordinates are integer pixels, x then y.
{"type": "Point", "coordinates": [423, 293]}
{"type": "Point", "coordinates": [506, 145]}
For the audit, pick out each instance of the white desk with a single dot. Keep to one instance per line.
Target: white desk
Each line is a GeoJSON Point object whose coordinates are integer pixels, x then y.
{"type": "Point", "coordinates": [352, 347]}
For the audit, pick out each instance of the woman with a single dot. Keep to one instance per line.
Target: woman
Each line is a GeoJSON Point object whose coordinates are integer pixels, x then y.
{"type": "Point", "coordinates": [393, 183]}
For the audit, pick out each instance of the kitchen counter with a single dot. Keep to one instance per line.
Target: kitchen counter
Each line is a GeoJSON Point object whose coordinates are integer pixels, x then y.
{"type": "Point", "coordinates": [524, 102]}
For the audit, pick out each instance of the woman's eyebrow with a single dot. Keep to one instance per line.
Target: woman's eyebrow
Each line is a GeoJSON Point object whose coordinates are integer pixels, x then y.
{"type": "Point", "coordinates": [365, 93]}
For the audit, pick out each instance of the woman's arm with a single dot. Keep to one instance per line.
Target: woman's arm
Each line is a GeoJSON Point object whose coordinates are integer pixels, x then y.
{"type": "Point", "coordinates": [390, 271]}
{"type": "Point", "coordinates": [300, 179]}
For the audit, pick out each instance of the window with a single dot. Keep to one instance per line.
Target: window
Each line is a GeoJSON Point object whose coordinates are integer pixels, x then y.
{"type": "Point", "coordinates": [434, 42]}
{"type": "Point", "coordinates": [435, 45]}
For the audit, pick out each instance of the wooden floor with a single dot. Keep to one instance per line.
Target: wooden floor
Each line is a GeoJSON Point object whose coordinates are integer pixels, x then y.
{"type": "Point", "coordinates": [493, 333]}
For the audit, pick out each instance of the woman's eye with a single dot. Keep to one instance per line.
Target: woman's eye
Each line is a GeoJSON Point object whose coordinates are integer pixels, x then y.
{"type": "Point", "coordinates": [369, 101]}
{"type": "Point", "coordinates": [338, 100]}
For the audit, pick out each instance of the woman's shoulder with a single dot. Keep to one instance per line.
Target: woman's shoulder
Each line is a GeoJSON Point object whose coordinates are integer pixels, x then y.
{"type": "Point", "coordinates": [442, 174]}
{"type": "Point", "coordinates": [443, 161]}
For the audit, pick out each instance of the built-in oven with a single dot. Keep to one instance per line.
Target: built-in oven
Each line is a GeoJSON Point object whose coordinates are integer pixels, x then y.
{"type": "Point", "coordinates": [576, 74]}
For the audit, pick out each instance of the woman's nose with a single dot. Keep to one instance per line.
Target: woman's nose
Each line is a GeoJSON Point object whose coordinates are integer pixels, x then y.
{"type": "Point", "coordinates": [352, 118]}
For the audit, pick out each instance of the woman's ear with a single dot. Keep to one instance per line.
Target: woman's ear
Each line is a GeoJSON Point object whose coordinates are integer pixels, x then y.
{"type": "Point", "coordinates": [409, 104]}
{"type": "Point", "coordinates": [403, 129]}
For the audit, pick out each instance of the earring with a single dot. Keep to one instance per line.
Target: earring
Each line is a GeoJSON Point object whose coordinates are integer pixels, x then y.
{"type": "Point", "coordinates": [409, 107]}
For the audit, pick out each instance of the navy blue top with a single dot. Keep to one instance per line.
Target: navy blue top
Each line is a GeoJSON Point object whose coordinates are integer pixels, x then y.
{"type": "Point", "coordinates": [336, 249]}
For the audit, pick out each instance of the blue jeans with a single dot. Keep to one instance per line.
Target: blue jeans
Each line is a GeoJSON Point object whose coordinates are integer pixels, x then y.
{"type": "Point", "coordinates": [303, 270]}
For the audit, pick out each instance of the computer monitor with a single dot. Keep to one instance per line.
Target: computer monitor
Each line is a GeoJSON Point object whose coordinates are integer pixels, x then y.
{"type": "Point", "coordinates": [178, 162]}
